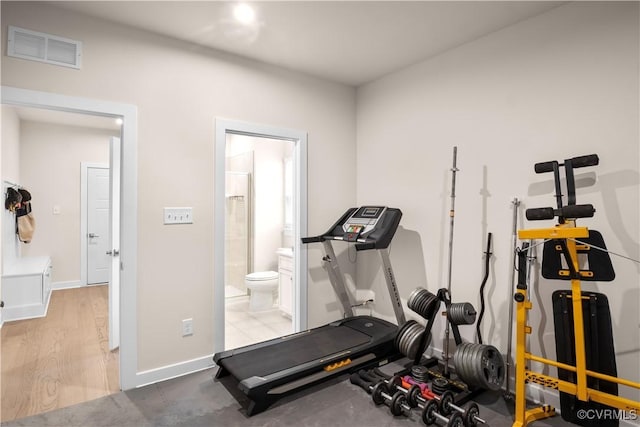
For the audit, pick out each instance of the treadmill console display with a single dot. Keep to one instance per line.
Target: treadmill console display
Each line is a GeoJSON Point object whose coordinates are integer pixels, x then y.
{"type": "Point", "coordinates": [362, 222]}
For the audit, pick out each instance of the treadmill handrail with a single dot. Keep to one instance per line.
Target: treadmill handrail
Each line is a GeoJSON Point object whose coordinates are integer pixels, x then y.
{"type": "Point", "coordinates": [315, 239]}
{"type": "Point", "coordinates": [379, 239]}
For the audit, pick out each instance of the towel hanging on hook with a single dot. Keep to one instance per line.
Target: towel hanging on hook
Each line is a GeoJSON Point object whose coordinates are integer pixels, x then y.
{"type": "Point", "coordinates": [25, 221]}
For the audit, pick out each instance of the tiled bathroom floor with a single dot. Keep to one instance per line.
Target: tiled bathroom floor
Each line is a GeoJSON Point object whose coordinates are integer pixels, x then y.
{"type": "Point", "coordinates": [243, 327]}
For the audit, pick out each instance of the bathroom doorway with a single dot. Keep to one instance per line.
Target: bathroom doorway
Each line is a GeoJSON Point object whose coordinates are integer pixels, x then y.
{"type": "Point", "coordinates": [257, 299]}
{"type": "Point", "coordinates": [260, 214]}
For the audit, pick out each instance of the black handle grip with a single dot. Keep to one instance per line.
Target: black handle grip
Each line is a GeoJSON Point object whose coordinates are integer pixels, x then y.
{"type": "Point", "coordinates": [578, 211]}
{"type": "Point", "coordinates": [365, 246]}
{"type": "Point", "coordinates": [381, 374]}
{"type": "Point", "coordinates": [544, 166]}
{"type": "Point", "coordinates": [576, 162]}
{"type": "Point", "coordinates": [356, 380]}
{"type": "Point", "coordinates": [584, 161]}
{"type": "Point", "coordinates": [522, 266]}
{"type": "Point", "coordinates": [368, 376]}
{"type": "Point", "coordinates": [312, 239]}
{"type": "Point", "coordinates": [537, 214]}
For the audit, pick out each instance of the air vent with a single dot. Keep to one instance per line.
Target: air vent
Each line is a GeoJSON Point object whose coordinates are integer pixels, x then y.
{"type": "Point", "coordinates": [42, 47]}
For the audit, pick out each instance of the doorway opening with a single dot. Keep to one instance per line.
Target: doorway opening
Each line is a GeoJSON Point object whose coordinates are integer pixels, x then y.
{"type": "Point", "coordinates": [46, 157]}
{"type": "Point", "coordinates": [260, 214]}
{"type": "Point", "coordinates": [124, 261]}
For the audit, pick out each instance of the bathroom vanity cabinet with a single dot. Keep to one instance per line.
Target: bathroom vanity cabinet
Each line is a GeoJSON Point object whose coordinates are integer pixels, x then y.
{"type": "Point", "coordinates": [285, 285]}
{"type": "Point", "coordinates": [26, 288]}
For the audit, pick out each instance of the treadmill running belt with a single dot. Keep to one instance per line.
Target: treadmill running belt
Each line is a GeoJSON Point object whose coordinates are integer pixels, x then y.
{"type": "Point", "coordinates": [317, 344]}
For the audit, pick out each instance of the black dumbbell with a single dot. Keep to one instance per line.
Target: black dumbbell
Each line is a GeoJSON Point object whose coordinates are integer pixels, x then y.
{"type": "Point", "coordinates": [446, 405]}
{"type": "Point", "coordinates": [430, 415]}
{"type": "Point", "coordinates": [380, 394]}
{"type": "Point", "coordinates": [470, 413]}
{"type": "Point", "coordinates": [360, 382]}
{"type": "Point", "coordinates": [403, 400]}
{"type": "Point", "coordinates": [398, 405]}
{"type": "Point", "coordinates": [415, 396]}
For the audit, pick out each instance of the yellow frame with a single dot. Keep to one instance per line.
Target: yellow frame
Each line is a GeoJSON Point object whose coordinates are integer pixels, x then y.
{"type": "Point", "coordinates": [567, 231]}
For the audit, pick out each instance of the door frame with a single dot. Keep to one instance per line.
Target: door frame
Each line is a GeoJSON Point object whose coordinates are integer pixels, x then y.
{"type": "Point", "coordinates": [299, 138]}
{"type": "Point", "coordinates": [84, 194]}
{"type": "Point", "coordinates": [128, 353]}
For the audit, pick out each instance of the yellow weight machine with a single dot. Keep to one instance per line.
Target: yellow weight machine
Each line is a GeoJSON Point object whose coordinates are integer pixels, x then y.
{"type": "Point", "coordinates": [569, 240]}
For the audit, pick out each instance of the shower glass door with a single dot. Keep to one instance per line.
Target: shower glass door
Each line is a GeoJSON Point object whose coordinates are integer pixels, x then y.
{"type": "Point", "coordinates": [237, 232]}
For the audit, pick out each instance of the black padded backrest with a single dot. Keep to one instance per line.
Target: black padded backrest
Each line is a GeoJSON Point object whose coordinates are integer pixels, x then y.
{"type": "Point", "coordinates": [598, 267]}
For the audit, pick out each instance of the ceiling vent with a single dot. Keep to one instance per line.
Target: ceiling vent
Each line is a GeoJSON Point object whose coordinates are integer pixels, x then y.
{"type": "Point", "coordinates": [42, 47]}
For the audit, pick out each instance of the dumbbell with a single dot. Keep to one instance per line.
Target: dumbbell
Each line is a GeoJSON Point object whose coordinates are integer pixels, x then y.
{"type": "Point", "coordinates": [470, 413]}
{"type": "Point", "coordinates": [420, 393]}
{"type": "Point", "coordinates": [380, 395]}
{"type": "Point", "coordinates": [416, 394]}
{"type": "Point", "coordinates": [403, 399]}
{"type": "Point", "coordinates": [430, 415]}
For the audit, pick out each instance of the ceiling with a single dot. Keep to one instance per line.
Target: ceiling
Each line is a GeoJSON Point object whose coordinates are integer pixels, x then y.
{"type": "Point", "coordinates": [350, 42]}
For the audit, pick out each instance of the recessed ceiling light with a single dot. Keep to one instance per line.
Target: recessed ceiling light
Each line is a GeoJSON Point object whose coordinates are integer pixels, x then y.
{"type": "Point", "coordinates": [244, 13]}
{"type": "Point", "coordinates": [119, 121]}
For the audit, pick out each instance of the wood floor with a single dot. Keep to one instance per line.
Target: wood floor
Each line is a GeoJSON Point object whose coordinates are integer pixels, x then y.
{"type": "Point", "coordinates": [58, 360]}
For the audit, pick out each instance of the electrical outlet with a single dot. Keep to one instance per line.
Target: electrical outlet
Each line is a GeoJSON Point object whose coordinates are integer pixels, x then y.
{"type": "Point", "coordinates": [187, 327]}
{"type": "Point", "coordinates": [178, 215]}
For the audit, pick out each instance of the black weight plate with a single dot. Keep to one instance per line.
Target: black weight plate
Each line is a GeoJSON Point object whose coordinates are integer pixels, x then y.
{"type": "Point", "coordinates": [471, 412]}
{"type": "Point", "coordinates": [396, 403]}
{"type": "Point", "coordinates": [428, 412]}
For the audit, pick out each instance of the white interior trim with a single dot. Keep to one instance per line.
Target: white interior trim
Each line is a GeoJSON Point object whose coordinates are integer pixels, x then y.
{"type": "Point", "coordinates": [299, 138]}
{"type": "Point", "coordinates": [66, 285]}
{"type": "Point", "coordinates": [168, 372]}
{"type": "Point", "coordinates": [128, 250]}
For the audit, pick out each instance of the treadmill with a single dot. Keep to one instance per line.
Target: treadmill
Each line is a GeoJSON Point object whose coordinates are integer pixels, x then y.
{"type": "Point", "coordinates": [259, 374]}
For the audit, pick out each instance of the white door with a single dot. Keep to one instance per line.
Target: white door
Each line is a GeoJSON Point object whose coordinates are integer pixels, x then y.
{"type": "Point", "coordinates": [98, 242]}
{"type": "Point", "coordinates": [114, 251]}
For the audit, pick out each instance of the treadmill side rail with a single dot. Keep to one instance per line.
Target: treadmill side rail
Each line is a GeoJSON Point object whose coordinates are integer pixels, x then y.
{"type": "Point", "coordinates": [261, 388]}
{"type": "Point", "coordinates": [390, 279]}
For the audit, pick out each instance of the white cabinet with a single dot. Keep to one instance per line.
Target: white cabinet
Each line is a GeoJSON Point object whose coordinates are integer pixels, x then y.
{"type": "Point", "coordinates": [285, 285]}
{"type": "Point", "coordinates": [26, 288]}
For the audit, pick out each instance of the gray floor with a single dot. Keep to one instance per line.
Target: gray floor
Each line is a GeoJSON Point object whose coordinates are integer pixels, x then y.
{"type": "Point", "coordinates": [197, 400]}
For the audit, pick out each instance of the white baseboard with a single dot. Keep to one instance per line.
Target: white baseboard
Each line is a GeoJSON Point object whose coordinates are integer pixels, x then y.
{"type": "Point", "coordinates": [168, 372]}
{"type": "Point", "coordinates": [66, 285]}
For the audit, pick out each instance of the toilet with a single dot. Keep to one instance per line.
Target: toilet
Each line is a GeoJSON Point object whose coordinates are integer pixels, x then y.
{"type": "Point", "coordinates": [263, 284]}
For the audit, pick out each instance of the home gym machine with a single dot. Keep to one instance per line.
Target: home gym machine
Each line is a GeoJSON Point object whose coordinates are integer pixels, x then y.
{"type": "Point", "coordinates": [267, 371]}
{"type": "Point", "coordinates": [584, 343]}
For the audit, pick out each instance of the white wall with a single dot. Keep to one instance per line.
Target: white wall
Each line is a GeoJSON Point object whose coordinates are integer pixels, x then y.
{"type": "Point", "coordinates": [9, 170]}
{"type": "Point", "coordinates": [560, 85]}
{"type": "Point", "coordinates": [269, 207]}
{"type": "Point", "coordinates": [10, 155]}
{"type": "Point", "coordinates": [51, 155]}
{"type": "Point", "coordinates": [179, 89]}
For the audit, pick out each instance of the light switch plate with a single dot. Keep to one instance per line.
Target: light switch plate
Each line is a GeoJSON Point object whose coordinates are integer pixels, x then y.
{"type": "Point", "coordinates": [178, 215]}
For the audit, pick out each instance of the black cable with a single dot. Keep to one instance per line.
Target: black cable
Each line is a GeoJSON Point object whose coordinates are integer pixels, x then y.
{"type": "Point", "coordinates": [484, 282]}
